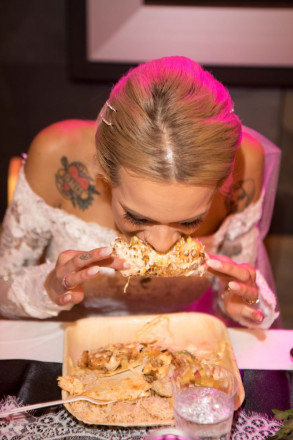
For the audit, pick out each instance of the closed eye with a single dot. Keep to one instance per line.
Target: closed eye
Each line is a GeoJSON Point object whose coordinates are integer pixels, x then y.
{"type": "Point", "coordinates": [138, 221]}
{"type": "Point", "coordinates": [193, 224]}
{"type": "Point", "coordinates": [134, 220]}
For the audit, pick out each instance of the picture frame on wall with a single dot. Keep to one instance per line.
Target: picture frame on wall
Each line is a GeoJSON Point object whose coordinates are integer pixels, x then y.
{"type": "Point", "coordinates": [242, 43]}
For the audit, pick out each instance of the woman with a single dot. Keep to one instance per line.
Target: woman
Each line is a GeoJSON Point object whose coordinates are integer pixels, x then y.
{"type": "Point", "coordinates": [171, 159]}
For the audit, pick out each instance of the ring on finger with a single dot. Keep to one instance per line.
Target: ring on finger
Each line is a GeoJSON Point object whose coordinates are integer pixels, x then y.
{"type": "Point", "coordinates": [250, 301]}
{"type": "Point", "coordinates": [64, 282]}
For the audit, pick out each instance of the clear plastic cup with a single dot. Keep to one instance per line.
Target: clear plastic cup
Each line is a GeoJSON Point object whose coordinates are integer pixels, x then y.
{"type": "Point", "coordinates": [204, 401]}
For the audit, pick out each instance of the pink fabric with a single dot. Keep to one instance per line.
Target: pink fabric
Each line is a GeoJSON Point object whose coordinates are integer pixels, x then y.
{"type": "Point", "coordinates": [270, 183]}
{"type": "Point", "coordinates": [272, 158]}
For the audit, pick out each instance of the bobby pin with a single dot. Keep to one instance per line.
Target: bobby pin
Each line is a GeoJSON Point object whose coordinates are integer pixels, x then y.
{"type": "Point", "coordinates": [110, 107]}
{"type": "Point", "coordinates": [106, 121]}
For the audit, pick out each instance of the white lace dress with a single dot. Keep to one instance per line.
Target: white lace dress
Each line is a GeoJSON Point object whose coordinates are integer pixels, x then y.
{"type": "Point", "coordinates": [31, 228]}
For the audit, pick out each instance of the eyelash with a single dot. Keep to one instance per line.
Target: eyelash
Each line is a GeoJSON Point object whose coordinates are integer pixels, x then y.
{"type": "Point", "coordinates": [133, 220]}
{"type": "Point", "coordinates": [138, 221]}
{"type": "Point", "coordinates": [193, 224]}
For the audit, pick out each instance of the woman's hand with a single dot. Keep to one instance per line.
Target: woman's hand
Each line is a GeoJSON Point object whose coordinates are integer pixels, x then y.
{"type": "Point", "coordinates": [240, 291]}
{"type": "Point", "coordinates": [64, 283]}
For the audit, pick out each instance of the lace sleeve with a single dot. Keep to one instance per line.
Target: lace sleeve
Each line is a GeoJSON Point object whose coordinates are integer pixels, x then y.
{"type": "Point", "coordinates": [25, 234]}
{"type": "Point", "coordinates": [242, 242]}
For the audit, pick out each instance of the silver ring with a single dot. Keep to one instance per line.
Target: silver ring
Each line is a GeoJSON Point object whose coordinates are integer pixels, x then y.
{"type": "Point", "coordinates": [64, 282]}
{"type": "Point", "coordinates": [250, 301]}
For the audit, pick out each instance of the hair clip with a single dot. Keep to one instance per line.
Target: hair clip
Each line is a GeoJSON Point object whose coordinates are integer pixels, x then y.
{"type": "Point", "coordinates": [106, 121]}
{"type": "Point", "coordinates": [103, 177]}
{"type": "Point", "coordinates": [110, 107]}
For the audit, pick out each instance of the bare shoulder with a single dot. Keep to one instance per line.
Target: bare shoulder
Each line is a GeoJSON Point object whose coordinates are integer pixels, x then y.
{"type": "Point", "coordinates": [69, 138]}
{"type": "Point", "coordinates": [253, 153]}
{"type": "Point", "coordinates": [247, 175]}
{"type": "Point", "coordinates": [61, 136]}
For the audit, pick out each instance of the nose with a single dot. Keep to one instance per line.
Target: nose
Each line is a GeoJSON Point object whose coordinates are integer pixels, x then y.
{"type": "Point", "coordinates": [161, 238]}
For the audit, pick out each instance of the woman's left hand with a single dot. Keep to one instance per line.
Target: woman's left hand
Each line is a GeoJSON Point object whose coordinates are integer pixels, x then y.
{"type": "Point", "coordinates": [240, 291]}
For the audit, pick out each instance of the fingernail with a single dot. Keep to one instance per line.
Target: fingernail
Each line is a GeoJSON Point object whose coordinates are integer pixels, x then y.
{"type": "Point", "coordinates": [214, 264]}
{"type": "Point", "coordinates": [67, 298]}
{"type": "Point", "coordinates": [126, 266]}
{"type": "Point", "coordinates": [93, 270]}
{"type": "Point", "coordinates": [105, 252]}
{"type": "Point", "coordinates": [258, 317]}
{"type": "Point", "coordinates": [233, 285]}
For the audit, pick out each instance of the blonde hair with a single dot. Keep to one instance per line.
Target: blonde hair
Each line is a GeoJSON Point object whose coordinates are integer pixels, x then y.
{"type": "Point", "coordinates": [173, 122]}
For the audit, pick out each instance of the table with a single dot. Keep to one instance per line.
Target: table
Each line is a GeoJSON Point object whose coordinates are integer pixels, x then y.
{"type": "Point", "coordinates": [31, 359]}
{"type": "Point", "coordinates": [43, 341]}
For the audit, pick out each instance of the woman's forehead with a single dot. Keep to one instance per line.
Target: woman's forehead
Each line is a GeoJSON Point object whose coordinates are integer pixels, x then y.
{"type": "Point", "coordinates": [157, 200]}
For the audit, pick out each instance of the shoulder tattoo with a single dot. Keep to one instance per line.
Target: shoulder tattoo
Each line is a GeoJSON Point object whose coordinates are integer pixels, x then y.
{"type": "Point", "coordinates": [74, 183]}
{"type": "Point", "coordinates": [239, 195]}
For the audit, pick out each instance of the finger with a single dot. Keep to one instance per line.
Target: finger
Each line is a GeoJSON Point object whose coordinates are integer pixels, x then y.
{"type": "Point", "coordinates": [115, 263]}
{"type": "Point", "coordinates": [84, 259]}
{"type": "Point", "coordinates": [75, 260]}
{"type": "Point", "coordinates": [218, 257]}
{"type": "Point", "coordinates": [70, 262]}
{"type": "Point", "coordinates": [73, 279]}
{"type": "Point", "coordinates": [247, 293]}
{"type": "Point", "coordinates": [101, 257]}
{"type": "Point", "coordinates": [72, 297]}
{"type": "Point", "coordinates": [248, 314]}
{"type": "Point", "coordinates": [243, 313]}
{"type": "Point", "coordinates": [106, 259]}
{"type": "Point", "coordinates": [238, 271]}
{"type": "Point", "coordinates": [250, 269]}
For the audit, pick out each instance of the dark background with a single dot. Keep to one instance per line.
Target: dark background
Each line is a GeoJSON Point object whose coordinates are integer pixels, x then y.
{"type": "Point", "coordinates": [37, 89]}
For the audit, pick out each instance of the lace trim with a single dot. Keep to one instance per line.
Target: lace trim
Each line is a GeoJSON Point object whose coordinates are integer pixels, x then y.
{"type": "Point", "coordinates": [253, 426]}
{"type": "Point", "coordinates": [267, 302]}
{"type": "Point", "coordinates": [71, 222]}
{"type": "Point", "coordinates": [21, 300]}
{"type": "Point", "coordinates": [238, 223]}
{"type": "Point", "coordinates": [62, 425]}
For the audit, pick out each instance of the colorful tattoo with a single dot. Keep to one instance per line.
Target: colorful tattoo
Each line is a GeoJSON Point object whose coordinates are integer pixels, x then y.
{"type": "Point", "coordinates": [74, 183]}
{"type": "Point", "coordinates": [239, 195]}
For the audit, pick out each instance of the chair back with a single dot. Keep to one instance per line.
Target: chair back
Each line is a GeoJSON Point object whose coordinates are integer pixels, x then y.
{"type": "Point", "coordinates": [13, 171]}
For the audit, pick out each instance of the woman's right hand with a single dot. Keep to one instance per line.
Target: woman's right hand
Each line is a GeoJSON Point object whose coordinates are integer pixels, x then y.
{"type": "Point", "coordinates": [64, 284]}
